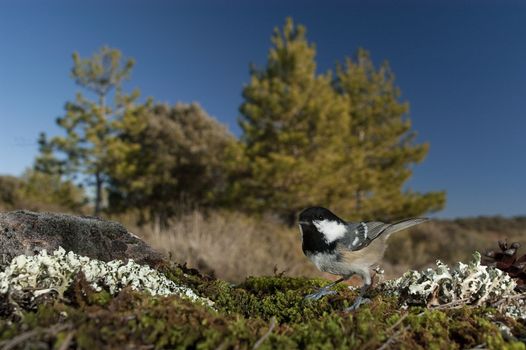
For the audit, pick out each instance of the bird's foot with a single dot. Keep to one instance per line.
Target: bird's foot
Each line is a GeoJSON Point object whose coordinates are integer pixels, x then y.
{"type": "Point", "coordinates": [357, 303]}
{"type": "Point", "coordinates": [319, 294]}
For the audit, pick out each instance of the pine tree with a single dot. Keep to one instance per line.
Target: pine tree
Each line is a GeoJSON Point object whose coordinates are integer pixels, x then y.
{"type": "Point", "coordinates": [291, 120]}
{"type": "Point", "coordinates": [46, 161]}
{"type": "Point", "coordinates": [309, 141]}
{"type": "Point", "coordinates": [380, 146]}
{"type": "Point", "coordinates": [89, 123]}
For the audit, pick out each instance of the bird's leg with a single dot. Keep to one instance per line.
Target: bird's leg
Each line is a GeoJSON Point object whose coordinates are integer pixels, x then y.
{"type": "Point", "coordinates": [325, 290]}
{"type": "Point", "coordinates": [360, 299]}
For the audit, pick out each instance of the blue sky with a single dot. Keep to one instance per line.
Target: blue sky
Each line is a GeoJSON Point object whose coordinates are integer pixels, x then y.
{"type": "Point", "coordinates": [460, 64]}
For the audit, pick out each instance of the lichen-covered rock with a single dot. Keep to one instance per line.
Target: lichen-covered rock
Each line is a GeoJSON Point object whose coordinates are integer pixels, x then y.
{"type": "Point", "coordinates": [28, 233]}
{"type": "Point", "coordinates": [42, 273]}
{"type": "Point", "coordinates": [462, 284]}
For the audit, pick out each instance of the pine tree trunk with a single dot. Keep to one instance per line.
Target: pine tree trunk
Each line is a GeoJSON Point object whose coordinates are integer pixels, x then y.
{"type": "Point", "coordinates": [98, 193]}
{"type": "Point", "coordinates": [98, 177]}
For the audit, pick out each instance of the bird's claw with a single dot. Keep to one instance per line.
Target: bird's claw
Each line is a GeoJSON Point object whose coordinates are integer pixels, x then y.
{"type": "Point", "coordinates": [319, 294]}
{"type": "Point", "coordinates": [357, 303]}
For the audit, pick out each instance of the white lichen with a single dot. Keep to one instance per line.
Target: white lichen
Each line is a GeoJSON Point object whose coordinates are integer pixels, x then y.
{"type": "Point", "coordinates": [470, 284]}
{"type": "Point", "coordinates": [42, 273]}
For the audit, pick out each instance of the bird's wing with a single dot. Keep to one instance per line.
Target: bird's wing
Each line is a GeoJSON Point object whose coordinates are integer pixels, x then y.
{"type": "Point", "coordinates": [361, 234]}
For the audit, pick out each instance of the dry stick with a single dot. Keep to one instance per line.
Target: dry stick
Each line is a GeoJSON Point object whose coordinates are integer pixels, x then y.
{"type": "Point", "coordinates": [19, 339]}
{"type": "Point", "coordinates": [508, 298]}
{"type": "Point", "coordinates": [400, 320]}
{"type": "Point", "coordinates": [396, 324]}
{"type": "Point", "coordinates": [266, 335]}
{"type": "Point", "coordinates": [450, 305]}
{"type": "Point", "coordinates": [479, 347]}
{"type": "Point", "coordinates": [67, 341]}
{"type": "Point", "coordinates": [460, 302]}
{"type": "Point", "coordinates": [222, 345]}
{"type": "Point", "coordinates": [392, 338]}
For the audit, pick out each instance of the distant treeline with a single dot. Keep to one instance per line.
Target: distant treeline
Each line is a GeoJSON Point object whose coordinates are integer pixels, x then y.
{"type": "Point", "coordinates": [341, 139]}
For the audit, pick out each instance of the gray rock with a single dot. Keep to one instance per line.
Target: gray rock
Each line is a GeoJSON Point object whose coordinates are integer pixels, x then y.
{"type": "Point", "coordinates": [25, 232]}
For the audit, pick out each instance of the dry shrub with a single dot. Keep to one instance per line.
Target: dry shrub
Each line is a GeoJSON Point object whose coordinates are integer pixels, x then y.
{"type": "Point", "coordinates": [232, 245]}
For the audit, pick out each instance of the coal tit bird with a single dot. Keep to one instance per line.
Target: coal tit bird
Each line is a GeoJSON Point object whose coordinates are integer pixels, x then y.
{"type": "Point", "coordinates": [345, 248]}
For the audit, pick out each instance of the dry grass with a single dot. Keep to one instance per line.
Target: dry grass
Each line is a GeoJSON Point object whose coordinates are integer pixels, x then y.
{"type": "Point", "coordinates": [232, 246]}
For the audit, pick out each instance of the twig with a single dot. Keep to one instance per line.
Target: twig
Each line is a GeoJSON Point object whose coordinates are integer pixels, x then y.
{"type": "Point", "coordinates": [266, 335]}
{"type": "Point", "coordinates": [67, 341]}
{"type": "Point", "coordinates": [392, 338]}
{"type": "Point", "coordinates": [397, 323]}
{"type": "Point", "coordinates": [222, 345]}
{"type": "Point", "coordinates": [396, 334]}
{"type": "Point", "coordinates": [508, 298]}
{"type": "Point", "coordinates": [394, 326]}
{"type": "Point", "coordinates": [450, 305]}
{"type": "Point", "coordinates": [19, 339]}
{"type": "Point", "coordinates": [479, 347]}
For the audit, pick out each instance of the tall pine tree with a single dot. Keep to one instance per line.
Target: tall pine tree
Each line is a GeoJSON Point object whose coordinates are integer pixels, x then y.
{"type": "Point", "coordinates": [380, 146]}
{"type": "Point", "coordinates": [89, 123]}
{"type": "Point", "coordinates": [345, 142]}
{"type": "Point", "coordinates": [291, 120]}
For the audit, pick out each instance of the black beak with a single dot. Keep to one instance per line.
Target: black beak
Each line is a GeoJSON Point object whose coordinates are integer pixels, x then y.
{"type": "Point", "coordinates": [303, 222]}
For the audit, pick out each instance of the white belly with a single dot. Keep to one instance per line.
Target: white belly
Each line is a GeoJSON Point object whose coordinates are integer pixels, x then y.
{"type": "Point", "coordinates": [329, 263]}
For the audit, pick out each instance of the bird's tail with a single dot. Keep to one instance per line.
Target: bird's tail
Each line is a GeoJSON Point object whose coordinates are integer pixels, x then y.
{"type": "Point", "coordinates": [402, 225]}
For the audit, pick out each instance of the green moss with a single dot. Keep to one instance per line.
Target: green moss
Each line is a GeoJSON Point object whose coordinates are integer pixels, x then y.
{"type": "Point", "coordinates": [100, 298]}
{"type": "Point", "coordinates": [243, 314]}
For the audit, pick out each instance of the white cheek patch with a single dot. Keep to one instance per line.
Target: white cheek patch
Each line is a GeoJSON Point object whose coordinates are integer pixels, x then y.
{"type": "Point", "coordinates": [331, 230]}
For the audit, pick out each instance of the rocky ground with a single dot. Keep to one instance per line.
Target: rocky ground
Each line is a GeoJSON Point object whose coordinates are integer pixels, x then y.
{"type": "Point", "coordinates": [81, 299]}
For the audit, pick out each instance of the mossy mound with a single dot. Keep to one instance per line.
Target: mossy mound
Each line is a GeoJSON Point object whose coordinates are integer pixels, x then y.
{"type": "Point", "coordinates": [261, 312]}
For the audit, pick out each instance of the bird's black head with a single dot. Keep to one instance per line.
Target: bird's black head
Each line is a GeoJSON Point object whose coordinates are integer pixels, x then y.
{"type": "Point", "coordinates": [311, 214]}
{"type": "Point", "coordinates": [314, 241]}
